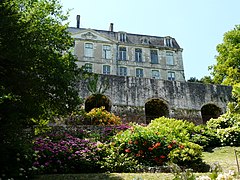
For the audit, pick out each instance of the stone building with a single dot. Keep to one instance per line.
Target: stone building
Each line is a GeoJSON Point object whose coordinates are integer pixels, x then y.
{"type": "Point", "coordinates": [146, 76]}
{"type": "Point", "coordinates": [126, 54]}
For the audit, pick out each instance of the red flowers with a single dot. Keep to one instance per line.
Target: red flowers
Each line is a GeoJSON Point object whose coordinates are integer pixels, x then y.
{"type": "Point", "coordinates": [181, 146]}
{"type": "Point", "coordinates": [150, 148]}
{"type": "Point", "coordinates": [162, 157]}
{"type": "Point", "coordinates": [136, 142]}
{"type": "Point", "coordinates": [127, 150]}
{"type": "Point", "coordinates": [157, 145]}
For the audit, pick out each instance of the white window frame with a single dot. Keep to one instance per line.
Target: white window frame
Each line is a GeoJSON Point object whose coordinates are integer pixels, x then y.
{"type": "Point", "coordinates": [106, 69]}
{"type": "Point", "coordinates": [155, 74]}
{"type": "Point", "coordinates": [139, 72]}
{"type": "Point", "coordinates": [171, 76]}
{"type": "Point", "coordinates": [88, 49]}
{"type": "Point", "coordinates": [122, 71]}
{"type": "Point", "coordinates": [106, 52]}
{"type": "Point", "coordinates": [122, 54]}
{"type": "Point", "coordinates": [138, 55]}
{"type": "Point", "coordinates": [88, 67]}
{"type": "Point", "coordinates": [154, 61]}
{"type": "Point", "coordinates": [169, 58]}
{"type": "Point", "coordinates": [168, 42]}
{"type": "Point", "coordinates": [122, 37]}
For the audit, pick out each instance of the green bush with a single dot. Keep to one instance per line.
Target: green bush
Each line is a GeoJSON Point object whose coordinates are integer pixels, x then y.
{"type": "Point", "coordinates": [179, 129]}
{"type": "Point", "coordinates": [113, 160]}
{"type": "Point", "coordinates": [227, 128]}
{"type": "Point", "coordinates": [229, 136]}
{"type": "Point", "coordinates": [155, 144]}
{"type": "Point", "coordinates": [224, 121]}
{"type": "Point", "coordinates": [186, 154]}
{"type": "Point", "coordinates": [186, 131]}
{"type": "Point", "coordinates": [204, 137]}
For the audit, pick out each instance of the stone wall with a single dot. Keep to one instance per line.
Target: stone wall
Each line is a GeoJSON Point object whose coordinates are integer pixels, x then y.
{"type": "Point", "coordinates": [128, 96]}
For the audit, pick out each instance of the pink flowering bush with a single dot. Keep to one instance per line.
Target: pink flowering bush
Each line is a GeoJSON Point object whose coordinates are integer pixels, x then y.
{"type": "Point", "coordinates": [65, 154]}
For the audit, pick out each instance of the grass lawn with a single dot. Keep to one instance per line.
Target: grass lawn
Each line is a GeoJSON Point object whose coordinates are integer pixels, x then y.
{"type": "Point", "coordinates": [223, 155]}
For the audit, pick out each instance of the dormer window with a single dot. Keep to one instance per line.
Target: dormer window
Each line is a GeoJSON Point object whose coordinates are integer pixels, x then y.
{"type": "Point", "coordinates": [144, 41]}
{"type": "Point", "coordinates": [168, 42]}
{"type": "Point", "coordinates": [122, 37]}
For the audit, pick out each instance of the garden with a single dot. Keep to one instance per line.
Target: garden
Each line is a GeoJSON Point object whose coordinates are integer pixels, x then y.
{"type": "Point", "coordinates": [98, 142]}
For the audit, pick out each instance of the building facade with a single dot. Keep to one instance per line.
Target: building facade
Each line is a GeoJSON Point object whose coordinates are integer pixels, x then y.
{"type": "Point", "coordinates": [146, 77]}
{"type": "Point", "coordinates": [126, 54]}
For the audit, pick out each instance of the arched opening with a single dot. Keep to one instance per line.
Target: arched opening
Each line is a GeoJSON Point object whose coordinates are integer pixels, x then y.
{"type": "Point", "coordinates": [96, 101]}
{"type": "Point", "coordinates": [155, 108]}
{"type": "Point", "coordinates": [209, 111]}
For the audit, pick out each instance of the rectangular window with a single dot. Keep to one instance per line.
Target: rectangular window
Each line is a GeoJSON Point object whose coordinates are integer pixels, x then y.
{"type": "Point", "coordinates": [122, 53]}
{"type": "Point", "coordinates": [138, 55]}
{"type": "Point", "coordinates": [88, 67]}
{"type": "Point", "coordinates": [168, 42]}
{"type": "Point", "coordinates": [88, 50]}
{"type": "Point", "coordinates": [106, 69]}
{"type": "Point", "coordinates": [169, 58]}
{"type": "Point", "coordinates": [139, 72]}
{"type": "Point", "coordinates": [171, 76]}
{"type": "Point", "coordinates": [122, 37]}
{"type": "Point", "coordinates": [123, 71]}
{"type": "Point", "coordinates": [106, 52]}
{"type": "Point", "coordinates": [155, 74]}
{"type": "Point", "coordinates": [154, 56]}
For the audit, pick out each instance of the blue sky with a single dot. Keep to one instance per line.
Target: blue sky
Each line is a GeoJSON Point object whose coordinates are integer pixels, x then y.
{"type": "Point", "coordinates": [197, 25]}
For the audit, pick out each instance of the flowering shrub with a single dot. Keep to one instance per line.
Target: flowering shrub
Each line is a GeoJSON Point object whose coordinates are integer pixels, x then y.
{"type": "Point", "coordinates": [109, 131]}
{"type": "Point", "coordinates": [186, 154]}
{"type": "Point", "coordinates": [227, 128]}
{"type": "Point", "coordinates": [65, 153]}
{"type": "Point", "coordinates": [204, 137]}
{"type": "Point", "coordinates": [186, 131]}
{"type": "Point", "coordinates": [113, 160]}
{"type": "Point", "coordinates": [99, 116]}
{"type": "Point", "coordinates": [153, 145]}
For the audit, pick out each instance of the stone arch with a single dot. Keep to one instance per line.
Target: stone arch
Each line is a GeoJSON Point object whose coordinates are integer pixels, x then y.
{"type": "Point", "coordinates": [209, 111]}
{"type": "Point", "coordinates": [96, 101]}
{"type": "Point", "coordinates": [155, 108]}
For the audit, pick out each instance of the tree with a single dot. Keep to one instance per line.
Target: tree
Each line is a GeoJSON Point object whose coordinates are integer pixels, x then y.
{"type": "Point", "coordinates": [193, 79]}
{"type": "Point", "coordinates": [206, 80]}
{"type": "Point", "coordinates": [38, 73]}
{"type": "Point", "coordinates": [227, 69]}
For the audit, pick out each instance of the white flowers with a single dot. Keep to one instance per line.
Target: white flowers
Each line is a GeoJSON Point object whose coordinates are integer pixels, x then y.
{"type": "Point", "coordinates": [203, 178]}
{"type": "Point", "coordinates": [226, 176]}
{"type": "Point", "coordinates": [222, 176]}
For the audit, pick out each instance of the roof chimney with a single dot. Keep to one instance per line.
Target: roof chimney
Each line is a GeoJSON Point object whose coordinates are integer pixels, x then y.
{"type": "Point", "coordinates": [78, 21]}
{"type": "Point", "coordinates": [111, 27]}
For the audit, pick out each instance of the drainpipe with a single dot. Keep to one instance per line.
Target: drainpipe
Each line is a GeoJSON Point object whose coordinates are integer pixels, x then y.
{"type": "Point", "coordinates": [117, 59]}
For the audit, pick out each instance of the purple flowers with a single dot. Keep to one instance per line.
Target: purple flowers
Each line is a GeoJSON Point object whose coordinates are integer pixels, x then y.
{"type": "Point", "coordinates": [67, 154]}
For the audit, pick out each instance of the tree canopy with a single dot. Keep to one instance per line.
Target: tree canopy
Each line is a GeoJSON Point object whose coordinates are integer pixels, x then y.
{"type": "Point", "coordinates": [38, 73]}
{"type": "Point", "coordinates": [227, 69]}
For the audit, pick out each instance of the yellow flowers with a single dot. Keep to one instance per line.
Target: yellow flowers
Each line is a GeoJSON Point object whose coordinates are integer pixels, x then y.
{"type": "Point", "coordinates": [99, 116]}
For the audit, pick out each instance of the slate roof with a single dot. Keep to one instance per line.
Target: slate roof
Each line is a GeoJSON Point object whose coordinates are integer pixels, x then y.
{"type": "Point", "coordinates": [154, 41]}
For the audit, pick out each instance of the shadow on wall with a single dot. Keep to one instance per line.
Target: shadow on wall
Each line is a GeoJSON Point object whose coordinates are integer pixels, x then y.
{"type": "Point", "coordinates": [209, 111]}
{"type": "Point", "coordinates": [97, 101]}
{"type": "Point", "coordinates": [155, 108]}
